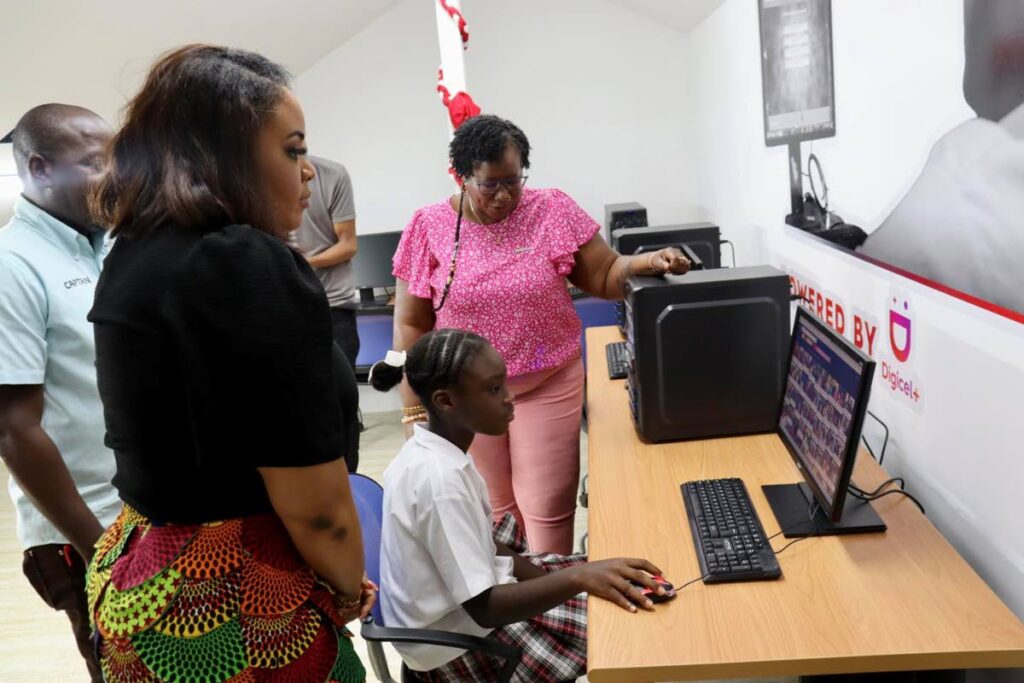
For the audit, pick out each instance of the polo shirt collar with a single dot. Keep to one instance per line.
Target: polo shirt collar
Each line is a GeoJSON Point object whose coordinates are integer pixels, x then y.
{"type": "Point", "coordinates": [62, 234]}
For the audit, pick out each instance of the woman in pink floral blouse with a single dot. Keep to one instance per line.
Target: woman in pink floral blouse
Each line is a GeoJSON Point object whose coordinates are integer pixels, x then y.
{"type": "Point", "coordinates": [494, 259]}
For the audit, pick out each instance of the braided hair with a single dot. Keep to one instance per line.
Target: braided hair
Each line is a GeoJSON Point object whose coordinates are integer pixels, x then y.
{"type": "Point", "coordinates": [483, 139]}
{"type": "Point", "coordinates": [435, 361]}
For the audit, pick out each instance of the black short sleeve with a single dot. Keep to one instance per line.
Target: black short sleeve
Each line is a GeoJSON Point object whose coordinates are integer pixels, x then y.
{"type": "Point", "coordinates": [256, 347]}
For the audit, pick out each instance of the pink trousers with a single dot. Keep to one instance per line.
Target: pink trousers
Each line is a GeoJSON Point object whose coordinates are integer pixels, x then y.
{"type": "Point", "coordinates": [533, 470]}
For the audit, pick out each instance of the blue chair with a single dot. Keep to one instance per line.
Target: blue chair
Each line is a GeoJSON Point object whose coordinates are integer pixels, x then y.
{"type": "Point", "coordinates": [369, 500]}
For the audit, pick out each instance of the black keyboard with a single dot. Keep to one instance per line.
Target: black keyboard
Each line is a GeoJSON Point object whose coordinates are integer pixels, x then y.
{"type": "Point", "coordinates": [727, 533]}
{"type": "Point", "coordinates": [618, 359]}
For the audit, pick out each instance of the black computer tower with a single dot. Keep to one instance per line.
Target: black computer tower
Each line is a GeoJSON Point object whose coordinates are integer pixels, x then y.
{"type": "Point", "coordinates": [708, 352]}
{"type": "Point", "coordinates": [701, 238]}
{"type": "Point", "coordinates": [704, 238]}
{"type": "Point", "coordinates": [626, 215]}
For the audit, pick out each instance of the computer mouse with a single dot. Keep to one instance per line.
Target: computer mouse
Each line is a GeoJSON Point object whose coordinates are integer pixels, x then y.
{"type": "Point", "coordinates": [670, 591]}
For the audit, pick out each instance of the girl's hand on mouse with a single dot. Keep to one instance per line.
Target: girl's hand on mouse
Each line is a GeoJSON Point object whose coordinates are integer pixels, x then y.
{"type": "Point", "coordinates": [613, 580]}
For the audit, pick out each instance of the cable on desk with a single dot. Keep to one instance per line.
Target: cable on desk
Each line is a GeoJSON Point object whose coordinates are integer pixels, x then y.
{"type": "Point", "coordinates": [795, 540]}
{"type": "Point", "coordinates": [731, 248]}
{"type": "Point", "coordinates": [888, 493]}
{"type": "Point", "coordinates": [868, 496]}
{"type": "Point", "coordinates": [856, 489]}
{"type": "Point", "coordinates": [885, 441]}
{"type": "Point", "coordinates": [699, 578]}
{"type": "Point", "coordinates": [812, 510]}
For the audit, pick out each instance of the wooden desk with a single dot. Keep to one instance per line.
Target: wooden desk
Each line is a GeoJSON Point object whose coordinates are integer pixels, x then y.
{"type": "Point", "coordinates": [901, 600]}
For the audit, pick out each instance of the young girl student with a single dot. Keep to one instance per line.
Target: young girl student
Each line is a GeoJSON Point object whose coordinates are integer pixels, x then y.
{"type": "Point", "coordinates": [443, 566]}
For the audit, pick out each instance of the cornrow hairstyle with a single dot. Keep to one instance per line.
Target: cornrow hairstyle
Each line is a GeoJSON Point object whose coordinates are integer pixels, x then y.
{"type": "Point", "coordinates": [435, 361]}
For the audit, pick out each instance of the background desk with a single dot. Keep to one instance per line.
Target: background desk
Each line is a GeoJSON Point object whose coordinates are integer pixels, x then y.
{"type": "Point", "coordinates": [901, 600]}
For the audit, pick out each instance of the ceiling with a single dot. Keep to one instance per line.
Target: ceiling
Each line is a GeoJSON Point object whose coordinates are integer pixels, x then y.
{"type": "Point", "coordinates": [681, 15]}
{"type": "Point", "coordinates": [95, 53]}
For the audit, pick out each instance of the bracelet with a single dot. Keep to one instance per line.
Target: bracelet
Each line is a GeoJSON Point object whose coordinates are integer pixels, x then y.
{"type": "Point", "coordinates": [345, 605]}
{"type": "Point", "coordinates": [413, 410]}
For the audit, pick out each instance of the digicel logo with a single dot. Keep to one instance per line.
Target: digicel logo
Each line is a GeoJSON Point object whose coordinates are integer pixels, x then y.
{"type": "Point", "coordinates": [900, 385]}
{"type": "Point", "coordinates": [899, 330]}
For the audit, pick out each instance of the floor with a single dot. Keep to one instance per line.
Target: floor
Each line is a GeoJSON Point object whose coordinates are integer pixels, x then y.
{"type": "Point", "coordinates": [36, 643]}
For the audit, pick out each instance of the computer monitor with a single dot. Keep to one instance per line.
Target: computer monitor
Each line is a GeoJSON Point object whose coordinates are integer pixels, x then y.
{"type": "Point", "coordinates": [798, 88]}
{"type": "Point", "coordinates": [372, 263]}
{"type": "Point", "coordinates": [796, 70]}
{"type": "Point", "coordinates": [821, 413]}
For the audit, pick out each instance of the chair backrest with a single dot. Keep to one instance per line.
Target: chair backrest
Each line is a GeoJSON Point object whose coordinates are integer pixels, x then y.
{"type": "Point", "coordinates": [369, 500]}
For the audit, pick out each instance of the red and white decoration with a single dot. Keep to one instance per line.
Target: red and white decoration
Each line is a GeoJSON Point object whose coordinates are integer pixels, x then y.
{"type": "Point", "coordinates": [453, 39]}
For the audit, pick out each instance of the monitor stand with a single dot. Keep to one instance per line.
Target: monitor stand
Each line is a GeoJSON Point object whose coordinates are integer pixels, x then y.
{"type": "Point", "coordinates": [798, 218]}
{"type": "Point", "coordinates": [790, 503]}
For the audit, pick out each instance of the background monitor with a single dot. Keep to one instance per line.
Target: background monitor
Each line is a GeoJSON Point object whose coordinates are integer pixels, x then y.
{"type": "Point", "coordinates": [796, 70]}
{"type": "Point", "coordinates": [372, 263]}
{"type": "Point", "coordinates": [828, 382]}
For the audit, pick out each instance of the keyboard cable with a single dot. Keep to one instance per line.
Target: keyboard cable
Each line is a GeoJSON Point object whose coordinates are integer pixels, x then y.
{"type": "Point", "coordinates": [812, 510]}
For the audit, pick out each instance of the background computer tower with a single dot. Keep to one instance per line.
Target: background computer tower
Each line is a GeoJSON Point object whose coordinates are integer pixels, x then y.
{"type": "Point", "coordinates": [626, 215]}
{"type": "Point", "coordinates": [708, 352]}
{"type": "Point", "coordinates": [702, 238]}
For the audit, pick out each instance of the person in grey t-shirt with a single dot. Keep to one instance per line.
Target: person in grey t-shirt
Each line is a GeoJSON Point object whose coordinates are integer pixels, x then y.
{"type": "Point", "coordinates": [327, 238]}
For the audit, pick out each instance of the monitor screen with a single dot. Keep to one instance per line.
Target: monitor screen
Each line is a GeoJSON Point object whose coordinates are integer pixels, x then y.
{"type": "Point", "coordinates": [372, 262]}
{"type": "Point", "coordinates": [822, 411]}
{"type": "Point", "coordinates": [796, 70]}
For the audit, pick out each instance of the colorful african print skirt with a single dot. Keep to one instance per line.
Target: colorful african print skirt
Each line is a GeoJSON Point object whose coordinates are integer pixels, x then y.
{"type": "Point", "coordinates": [222, 601]}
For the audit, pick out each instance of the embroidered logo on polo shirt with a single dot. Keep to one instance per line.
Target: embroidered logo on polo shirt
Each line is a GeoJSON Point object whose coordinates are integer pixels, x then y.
{"type": "Point", "coordinates": [71, 284]}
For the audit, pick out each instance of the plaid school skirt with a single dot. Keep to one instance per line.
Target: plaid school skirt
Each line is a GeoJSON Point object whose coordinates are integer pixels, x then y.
{"type": "Point", "coordinates": [222, 601]}
{"type": "Point", "coordinates": [554, 643]}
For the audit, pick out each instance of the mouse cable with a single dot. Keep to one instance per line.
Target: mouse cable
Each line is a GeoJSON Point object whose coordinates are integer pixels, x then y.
{"type": "Point", "coordinates": [699, 578]}
{"type": "Point", "coordinates": [795, 540]}
{"type": "Point", "coordinates": [812, 510]}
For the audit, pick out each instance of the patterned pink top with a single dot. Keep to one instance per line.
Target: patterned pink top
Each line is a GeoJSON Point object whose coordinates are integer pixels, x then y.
{"type": "Point", "coordinates": [509, 282]}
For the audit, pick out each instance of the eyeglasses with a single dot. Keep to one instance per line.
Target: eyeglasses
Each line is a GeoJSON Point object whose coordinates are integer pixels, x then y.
{"type": "Point", "coordinates": [489, 188]}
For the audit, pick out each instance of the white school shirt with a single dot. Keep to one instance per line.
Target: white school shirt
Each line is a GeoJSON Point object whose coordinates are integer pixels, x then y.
{"type": "Point", "coordinates": [437, 551]}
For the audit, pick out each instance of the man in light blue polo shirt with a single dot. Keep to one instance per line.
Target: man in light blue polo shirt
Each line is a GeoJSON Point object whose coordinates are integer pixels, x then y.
{"type": "Point", "coordinates": [51, 418]}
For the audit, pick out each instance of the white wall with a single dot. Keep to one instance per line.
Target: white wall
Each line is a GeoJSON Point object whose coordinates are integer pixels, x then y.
{"type": "Point", "coordinates": [599, 90]}
{"type": "Point", "coordinates": [898, 70]}
{"type": "Point", "coordinates": [10, 183]}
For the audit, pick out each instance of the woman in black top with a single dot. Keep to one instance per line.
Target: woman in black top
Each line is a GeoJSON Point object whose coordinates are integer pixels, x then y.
{"type": "Point", "coordinates": [238, 553]}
